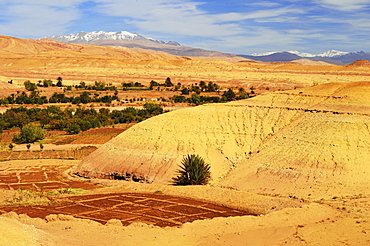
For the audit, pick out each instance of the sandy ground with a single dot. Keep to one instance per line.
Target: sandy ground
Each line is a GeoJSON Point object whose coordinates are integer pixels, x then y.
{"type": "Point", "coordinates": [309, 224]}
{"type": "Point", "coordinates": [282, 221]}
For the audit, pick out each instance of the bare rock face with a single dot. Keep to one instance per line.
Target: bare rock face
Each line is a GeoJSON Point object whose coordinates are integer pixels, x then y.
{"type": "Point", "coordinates": [296, 138]}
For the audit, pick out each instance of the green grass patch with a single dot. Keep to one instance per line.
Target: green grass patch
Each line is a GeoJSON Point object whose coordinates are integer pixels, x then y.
{"type": "Point", "coordinates": [63, 191]}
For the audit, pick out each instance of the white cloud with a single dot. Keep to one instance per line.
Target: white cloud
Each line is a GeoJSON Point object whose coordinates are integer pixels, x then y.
{"type": "Point", "coordinates": [274, 13]}
{"type": "Point", "coordinates": [266, 23]}
{"type": "Point", "coordinates": [185, 17]}
{"type": "Point", "coordinates": [144, 9]}
{"type": "Point", "coordinates": [39, 18]}
{"type": "Point", "coordinates": [265, 4]}
{"type": "Point", "coordinates": [355, 23]}
{"type": "Point", "coordinates": [53, 3]}
{"type": "Point", "coordinates": [257, 40]}
{"type": "Point", "coordinates": [344, 5]}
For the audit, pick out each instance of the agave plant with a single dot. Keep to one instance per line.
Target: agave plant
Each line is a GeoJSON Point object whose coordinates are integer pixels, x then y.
{"type": "Point", "coordinates": [193, 171]}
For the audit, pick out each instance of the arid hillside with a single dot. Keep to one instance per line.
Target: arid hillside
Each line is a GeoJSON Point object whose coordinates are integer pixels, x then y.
{"type": "Point", "coordinates": [298, 159]}
{"type": "Point", "coordinates": [282, 142]}
{"type": "Point", "coordinates": [27, 59]}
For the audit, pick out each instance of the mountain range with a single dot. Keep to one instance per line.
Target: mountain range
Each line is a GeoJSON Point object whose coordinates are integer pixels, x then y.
{"type": "Point", "coordinates": [134, 40]}
{"type": "Point", "coordinates": [330, 56]}
{"type": "Point", "coordinates": [329, 53]}
{"type": "Point", "coordinates": [87, 37]}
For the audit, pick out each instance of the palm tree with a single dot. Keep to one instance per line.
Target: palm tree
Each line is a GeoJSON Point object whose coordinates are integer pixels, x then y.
{"type": "Point", "coordinates": [193, 171]}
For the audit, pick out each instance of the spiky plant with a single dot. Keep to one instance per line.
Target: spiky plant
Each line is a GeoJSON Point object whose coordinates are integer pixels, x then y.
{"type": "Point", "coordinates": [193, 171]}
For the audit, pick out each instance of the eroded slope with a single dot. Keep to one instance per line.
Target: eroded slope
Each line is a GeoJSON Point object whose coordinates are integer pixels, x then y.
{"type": "Point", "coordinates": [303, 136]}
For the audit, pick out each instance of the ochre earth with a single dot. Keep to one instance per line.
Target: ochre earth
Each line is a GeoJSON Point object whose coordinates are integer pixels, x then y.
{"type": "Point", "coordinates": [304, 137]}
{"type": "Point", "coordinates": [27, 59]}
{"type": "Point", "coordinates": [297, 158]}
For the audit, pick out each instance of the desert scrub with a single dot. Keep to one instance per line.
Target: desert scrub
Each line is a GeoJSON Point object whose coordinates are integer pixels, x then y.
{"type": "Point", "coordinates": [193, 171]}
{"type": "Point", "coordinates": [24, 197]}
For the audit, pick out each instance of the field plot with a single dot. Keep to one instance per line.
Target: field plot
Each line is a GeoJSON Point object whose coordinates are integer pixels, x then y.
{"type": "Point", "coordinates": [155, 209]}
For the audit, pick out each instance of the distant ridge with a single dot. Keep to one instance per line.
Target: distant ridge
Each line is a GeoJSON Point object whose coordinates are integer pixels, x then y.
{"type": "Point", "coordinates": [86, 37]}
{"type": "Point", "coordinates": [329, 53]}
{"type": "Point", "coordinates": [360, 63]}
{"type": "Point", "coordinates": [134, 40]}
{"type": "Point", "coordinates": [330, 56]}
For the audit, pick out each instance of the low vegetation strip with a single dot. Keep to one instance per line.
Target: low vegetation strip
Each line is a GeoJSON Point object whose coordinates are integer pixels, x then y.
{"type": "Point", "coordinates": [70, 120]}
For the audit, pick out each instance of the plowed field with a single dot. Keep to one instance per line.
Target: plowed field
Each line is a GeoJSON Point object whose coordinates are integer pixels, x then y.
{"type": "Point", "coordinates": [154, 209]}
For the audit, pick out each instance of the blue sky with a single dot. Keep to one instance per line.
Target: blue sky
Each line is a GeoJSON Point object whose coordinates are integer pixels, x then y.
{"type": "Point", "coordinates": [231, 26]}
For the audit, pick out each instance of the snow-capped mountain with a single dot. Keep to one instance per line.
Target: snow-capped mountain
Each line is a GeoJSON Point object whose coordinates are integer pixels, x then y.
{"type": "Point", "coordinates": [88, 37]}
{"type": "Point", "coordinates": [266, 53]}
{"type": "Point", "coordinates": [291, 52]}
{"type": "Point", "coordinates": [134, 40]}
{"type": "Point", "coordinates": [164, 42]}
{"type": "Point", "coordinates": [301, 54]}
{"type": "Point", "coordinates": [94, 36]}
{"type": "Point", "coordinates": [332, 53]}
{"type": "Point", "coordinates": [330, 56]}
{"type": "Point", "coordinates": [329, 53]}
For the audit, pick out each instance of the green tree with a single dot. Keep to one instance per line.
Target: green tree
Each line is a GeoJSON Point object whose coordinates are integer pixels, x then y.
{"type": "Point", "coordinates": [73, 128]}
{"type": "Point", "coordinates": [30, 86]}
{"type": "Point", "coordinates": [152, 84]}
{"type": "Point", "coordinates": [47, 82]}
{"type": "Point", "coordinates": [178, 99]}
{"type": "Point", "coordinates": [59, 83]}
{"type": "Point", "coordinates": [185, 91]}
{"type": "Point", "coordinates": [229, 95]}
{"type": "Point", "coordinates": [243, 96]}
{"type": "Point", "coordinates": [29, 134]}
{"type": "Point", "coordinates": [178, 86]}
{"type": "Point", "coordinates": [193, 171]}
{"type": "Point", "coordinates": [195, 99]}
{"type": "Point", "coordinates": [85, 97]}
{"type": "Point", "coordinates": [35, 94]}
{"type": "Point", "coordinates": [203, 85]}
{"type": "Point", "coordinates": [196, 89]}
{"type": "Point", "coordinates": [168, 82]}
{"type": "Point", "coordinates": [153, 109]}
{"type": "Point", "coordinates": [212, 87]}
{"type": "Point", "coordinates": [82, 85]}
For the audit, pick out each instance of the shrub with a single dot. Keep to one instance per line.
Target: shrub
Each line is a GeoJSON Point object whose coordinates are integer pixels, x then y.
{"type": "Point", "coordinates": [193, 171]}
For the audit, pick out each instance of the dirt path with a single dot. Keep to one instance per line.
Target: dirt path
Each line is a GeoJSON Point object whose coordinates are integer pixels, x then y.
{"type": "Point", "coordinates": [155, 209]}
